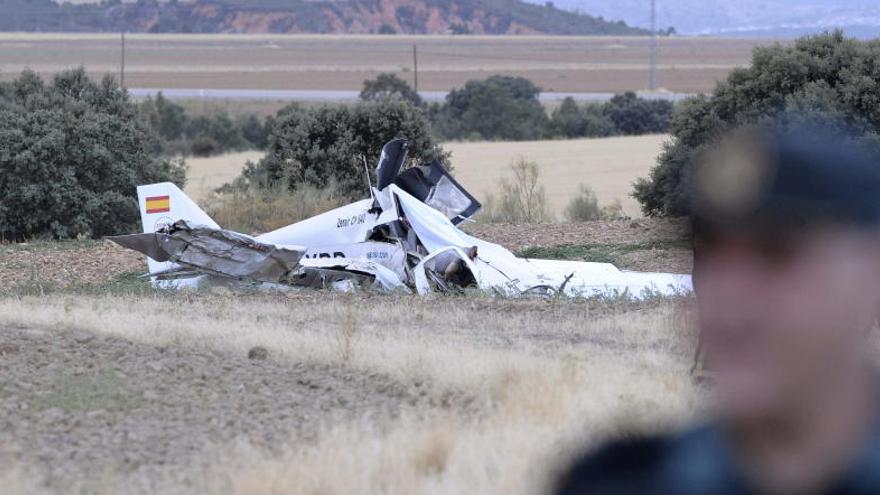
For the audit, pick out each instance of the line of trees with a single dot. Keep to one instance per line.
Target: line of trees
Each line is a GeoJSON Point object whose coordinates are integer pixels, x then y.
{"type": "Point", "coordinates": [507, 108]}
{"type": "Point", "coordinates": [73, 151]}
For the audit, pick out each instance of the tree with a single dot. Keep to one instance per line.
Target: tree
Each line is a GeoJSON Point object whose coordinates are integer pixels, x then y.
{"type": "Point", "coordinates": [218, 128]}
{"type": "Point", "coordinates": [168, 118]}
{"type": "Point", "coordinates": [632, 114]}
{"type": "Point", "coordinates": [572, 121]}
{"type": "Point", "coordinates": [820, 78]}
{"type": "Point", "coordinates": [500, 107]}
{"type": "Point", "coordinates": [387, 85]}
{"type": "Point", "coordinates": [71, 156]}
{"type": "Point", "coordinates": [322, 145]}
{"type": "Point", "coordinates": [253, 131]}
{"type": "Point", "coordinates": [386, 28]}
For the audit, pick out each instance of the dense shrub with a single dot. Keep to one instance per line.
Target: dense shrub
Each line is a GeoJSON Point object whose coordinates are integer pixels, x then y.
{"type": "Point", "coordinates": [388, 85]}
{"type": "Point", "coordinates": [500, 107]}
{"type": "Point", "coordinates": [204, 146]}
{"type": "Point", "coordinates": [508, 108]}
{"type": "Point", "coordinates": [320, 145]}
{"type": "Point", "coordinates": [71, 155]}
{"type": "Point", "coordinates": [630, 114]}
{"type": "Point", "coordinates": [819, 78]}
{"type": "Point", "coordinates": [204, 135]}
{"type": "Point", "coordinates": [166, 117]}
{"type": "Point", "coordinates": [569, 120]}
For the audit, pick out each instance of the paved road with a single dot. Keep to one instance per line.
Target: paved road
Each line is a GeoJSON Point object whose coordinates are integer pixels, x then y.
{"type": "Point", "coordinates": [321, 95]}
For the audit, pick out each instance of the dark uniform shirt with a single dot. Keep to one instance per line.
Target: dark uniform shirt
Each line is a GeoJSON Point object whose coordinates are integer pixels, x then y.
{"type": "Point", "coordinates": [697, 462]}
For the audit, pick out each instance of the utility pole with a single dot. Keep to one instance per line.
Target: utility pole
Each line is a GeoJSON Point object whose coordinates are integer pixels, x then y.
{"type": "Point", "coordinates": [122, 64]}
{"type": "Point", "coordinates": [415, 69]}
{"type": "Point", "coordinates": [652, 76]}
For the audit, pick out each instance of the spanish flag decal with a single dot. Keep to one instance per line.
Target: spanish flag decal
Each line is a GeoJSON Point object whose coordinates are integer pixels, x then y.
{"type": "Point", "coordinates": [158, 204]}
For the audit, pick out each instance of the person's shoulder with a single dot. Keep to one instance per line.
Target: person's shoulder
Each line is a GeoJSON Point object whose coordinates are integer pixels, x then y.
{"type": "Point", "coordinates": [624, 466]}
{"type": "Point", "coordinates": [651, 464]}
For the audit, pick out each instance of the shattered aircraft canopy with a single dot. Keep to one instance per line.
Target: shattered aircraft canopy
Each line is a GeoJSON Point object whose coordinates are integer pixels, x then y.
{"type": "Point", "coordinates": [404, 238]}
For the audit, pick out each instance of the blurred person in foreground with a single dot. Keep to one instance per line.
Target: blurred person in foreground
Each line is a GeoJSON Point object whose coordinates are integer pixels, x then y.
{"type": "Point", "coordinates": [787, 277]}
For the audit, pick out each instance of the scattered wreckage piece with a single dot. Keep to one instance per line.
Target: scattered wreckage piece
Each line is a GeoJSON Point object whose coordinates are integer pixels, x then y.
{"type": "Point", "coordinates": [405, 238]}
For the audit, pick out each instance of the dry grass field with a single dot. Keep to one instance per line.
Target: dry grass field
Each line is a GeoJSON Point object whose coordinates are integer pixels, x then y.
{"type": "Point", "coordinates": [156, 393]}
{"type": "Point", "coordinates": [204, 175]}
{"type": "Point", "coordinates": [312, 62]}
{"type": "Point", "coordinates": [609, 166]}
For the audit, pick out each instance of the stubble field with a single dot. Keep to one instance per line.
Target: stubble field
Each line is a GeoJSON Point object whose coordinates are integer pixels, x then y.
{"type": "Point", "coordinates": [311, 62]}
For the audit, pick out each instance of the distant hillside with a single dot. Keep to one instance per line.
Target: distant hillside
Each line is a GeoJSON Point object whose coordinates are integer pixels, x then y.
{"type": "Point", "coordinates": [306, 16]}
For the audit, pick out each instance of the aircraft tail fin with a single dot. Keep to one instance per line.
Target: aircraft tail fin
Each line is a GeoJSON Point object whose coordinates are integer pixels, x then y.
{"type": "Point", "coordinates": [164, 203]}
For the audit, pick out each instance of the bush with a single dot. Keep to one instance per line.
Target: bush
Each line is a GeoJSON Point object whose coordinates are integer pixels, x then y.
{"type": "Point", "coordinates": [572, 121]}
{"type": "Point", "coordinates": [320, 145]}
{"type": "Point", "coordinates": [820, 78]}
{"type": "Point", "coordinates": [259, 210]}
{"type": "Point", "coordinates": [204, 135]}
{"type": "Point", "coordinates": [500, 107]}
{"type": "Point", "coordinates": [522, 198]}
{"type": "Point", "coordinates": [388, 85]}
{"type": "Point", "coordinates": [631, 114]}
{"type": "Point", "coordinates": [166, 117]}
{"type": "Point", "coordinates": [72, 154]}
{"type": "Point", "coordinates": [204, 146]}
{"type": "Point", "coordinates": [254, 132]}
{"type": "Point", "coordinates": [584, 207]}
{"type": "Point", "coordinates": [218, 127]}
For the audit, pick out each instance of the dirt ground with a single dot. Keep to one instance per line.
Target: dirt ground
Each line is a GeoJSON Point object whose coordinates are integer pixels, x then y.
{"type": "Point", "coordinates": [560, 63]}
{"type": "Point", "coordinates": [80, 404]}
{"type": "Point", "coordinates": [162, 393]}
{"type": "Point", "coordinates": [66, 264]}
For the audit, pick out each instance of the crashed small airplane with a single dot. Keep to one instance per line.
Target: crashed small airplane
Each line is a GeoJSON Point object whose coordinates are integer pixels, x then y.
{"type": "Point", "coordinates": [405, 237]}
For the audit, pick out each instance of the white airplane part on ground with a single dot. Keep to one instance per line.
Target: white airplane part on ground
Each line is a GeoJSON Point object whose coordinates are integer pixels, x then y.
{"type": "Point", "coordinates": [404, 238]}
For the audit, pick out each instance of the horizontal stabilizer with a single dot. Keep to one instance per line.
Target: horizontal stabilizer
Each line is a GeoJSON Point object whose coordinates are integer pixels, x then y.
{"type": "Point", "coordinates": [143, 243]}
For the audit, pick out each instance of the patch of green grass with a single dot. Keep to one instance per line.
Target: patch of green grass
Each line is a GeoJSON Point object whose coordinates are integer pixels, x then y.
{"type": "Point", "coordinates": [597, 252]}
{"type": "Point", "coordinates": [105, 389]}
